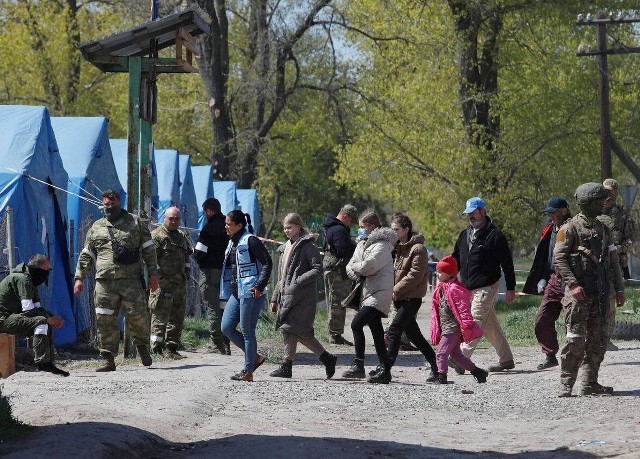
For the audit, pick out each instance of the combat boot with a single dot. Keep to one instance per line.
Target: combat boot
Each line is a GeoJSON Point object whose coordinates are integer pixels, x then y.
{"type": "Point", "coordinates": [438, 378]}
{"type": "Point", "coordinates": [51, 368]}
{"type": "Point", "coordinates": [356, 371]}
{"type": "Point", "coordinates": [109, 363]}
{"type": "Point", "coordinates": [480, 375]}
{"type": "Point", "coordinates": [219, 346]}
{"type": "Point", "coordinates": [329, 361]}
{"type": "Point", "coordinates": [283, 371]}
{"type": "Point", "coordinates": [565, 390]}
{"type": "Point", "coordinates": [596, 389]}
{"type": "Point", "coordinates": [145, 357]}
{"type": "Point", "coordinates": [171, 352]}
{"type": "Point", "coordinates": [157, 349]}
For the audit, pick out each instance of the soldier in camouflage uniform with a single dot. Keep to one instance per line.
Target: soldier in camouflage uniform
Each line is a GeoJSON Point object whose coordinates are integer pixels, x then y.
{"type": "Point", "coordinates": [622, 225]}
{"type": "Point", "coordinates": [21, 313]}
{"type": "Point", "coordinates": [583, 257]}
{"type": "Point", "coordinates": [115, 247]}
{"type": "Point", "coordinates": [168, 303]}
{"type": "Point", "coordinates": [623, 231]}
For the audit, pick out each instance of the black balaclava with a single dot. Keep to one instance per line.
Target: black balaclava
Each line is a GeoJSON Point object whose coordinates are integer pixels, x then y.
{"type": "Point", "coordinates": [38, 275]}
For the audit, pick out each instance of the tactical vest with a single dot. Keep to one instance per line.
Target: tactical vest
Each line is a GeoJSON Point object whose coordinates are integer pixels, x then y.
{"type": "Point", "coordinates": [248, 270]}
{"type": "Point", "coordinates": [593, 247]}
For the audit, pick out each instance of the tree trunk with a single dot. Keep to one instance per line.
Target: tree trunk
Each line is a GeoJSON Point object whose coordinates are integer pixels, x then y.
{"type": "Point", "coordinates": [214, 69]}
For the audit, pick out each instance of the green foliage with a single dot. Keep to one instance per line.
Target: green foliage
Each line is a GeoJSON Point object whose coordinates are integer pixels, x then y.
{"type": "Point", "coordinates": [10, 428]}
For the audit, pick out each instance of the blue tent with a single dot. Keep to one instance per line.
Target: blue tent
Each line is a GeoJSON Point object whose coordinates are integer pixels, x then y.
{"type": "Point", "coordinates": [248, 203]}
{"type": "Point", "coordinates": [204, 189]}
{"type": "Point", "coordinates": [86, 156]}
{"type": "Point", "coordinates": [168, 169]}
{"type": "Point", "coordinates": [30, 168]}
{"type": "Point", "coordinates": [119, 153]}
{"type": "Point", "coordinates": [225, 192]}
{"type": "Point", "coordinates": [188, 201]}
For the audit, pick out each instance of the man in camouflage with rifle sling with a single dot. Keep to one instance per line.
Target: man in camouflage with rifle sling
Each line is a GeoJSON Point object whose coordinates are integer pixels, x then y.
{"type": "Point", "coordinates": [584, 257]}
{"type": "Point", "coordinates": [116, 245]}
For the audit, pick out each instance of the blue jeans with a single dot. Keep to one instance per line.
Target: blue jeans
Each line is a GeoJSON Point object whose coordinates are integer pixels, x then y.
{"type": "Point", "coordinates": [243, 311]}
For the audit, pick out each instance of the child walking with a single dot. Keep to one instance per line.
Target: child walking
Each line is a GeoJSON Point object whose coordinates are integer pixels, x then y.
{"type": "Point", "coordinates": [452, 323]}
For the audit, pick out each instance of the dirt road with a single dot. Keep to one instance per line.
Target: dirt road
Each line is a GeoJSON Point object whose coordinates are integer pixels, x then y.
{"type": "Point", "coordinates": [191, 408]}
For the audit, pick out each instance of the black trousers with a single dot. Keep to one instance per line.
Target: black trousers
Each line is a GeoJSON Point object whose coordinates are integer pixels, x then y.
{"type": "Point", "coordinates": [405, 321]}
{"type": "Point", "coordinates": [373, 318]}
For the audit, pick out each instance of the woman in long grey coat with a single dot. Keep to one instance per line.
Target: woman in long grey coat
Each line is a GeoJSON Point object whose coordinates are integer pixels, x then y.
{"type": "Point", "coordinates": [293, 298]}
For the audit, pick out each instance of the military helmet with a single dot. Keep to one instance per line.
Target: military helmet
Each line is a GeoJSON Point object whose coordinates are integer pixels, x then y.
{"type": "Point", "coordinates": [588, 192]}
{"type": "Point", "coordinates": [610, 184]}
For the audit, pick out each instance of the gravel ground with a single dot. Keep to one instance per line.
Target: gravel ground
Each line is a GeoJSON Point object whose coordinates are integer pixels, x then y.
{"type": "Point", "coordinates": [191, 408]}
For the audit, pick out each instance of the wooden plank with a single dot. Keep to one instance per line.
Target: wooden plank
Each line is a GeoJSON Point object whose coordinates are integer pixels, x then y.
{"type": "Point", "coordinates": [7, 355]}
{"type": "Point", "coordinates": [188, 40]}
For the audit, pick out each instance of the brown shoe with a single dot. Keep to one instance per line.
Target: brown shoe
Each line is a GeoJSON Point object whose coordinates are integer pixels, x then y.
{"type": "Point", "coordinates": [502, 366]}
{"type": "Point", "coordinates": [173, 355]}
{"type": "Point", "coordinates": [243, 376]}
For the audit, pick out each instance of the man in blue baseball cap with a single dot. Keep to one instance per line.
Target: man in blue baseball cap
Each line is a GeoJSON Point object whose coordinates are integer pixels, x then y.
{"type": "Point", "coordinates": [483, 254]}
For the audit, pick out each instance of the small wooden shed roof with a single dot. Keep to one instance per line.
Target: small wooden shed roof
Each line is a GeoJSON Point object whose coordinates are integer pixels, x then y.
{"type": "Point", "coordinates": [178, 28]}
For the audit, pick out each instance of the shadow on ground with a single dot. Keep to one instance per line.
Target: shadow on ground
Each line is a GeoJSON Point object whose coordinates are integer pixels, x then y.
{"type": "Point", "coordinates": [102, 440]}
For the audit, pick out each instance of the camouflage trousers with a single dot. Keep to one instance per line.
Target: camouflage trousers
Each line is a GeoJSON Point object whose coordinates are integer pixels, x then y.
{"type": "Point", "coordinates": [336, 289]}
{"type": "Point", "coordinates": [585, 344]}
{"type": "Point", "coordinates": [110, 296]}
{"type": "Point", "coordinates": [21, 325]}
{"type": "Point", "coordinates": [167, 306]}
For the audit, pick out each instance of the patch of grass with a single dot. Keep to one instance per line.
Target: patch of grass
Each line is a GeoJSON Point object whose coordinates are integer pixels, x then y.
{"type": "Point", "coordinates": [10, 428]}
{"type": "Point", "coordinates": [195, 334]}
{"type": "Point", "coordinates": [517, 320]}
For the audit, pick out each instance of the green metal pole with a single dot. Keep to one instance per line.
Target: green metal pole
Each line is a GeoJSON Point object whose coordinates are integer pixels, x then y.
{"type": "Point", "coordinates": [133, 136]}
{"type": "Point", "coordinates": [146, 150]}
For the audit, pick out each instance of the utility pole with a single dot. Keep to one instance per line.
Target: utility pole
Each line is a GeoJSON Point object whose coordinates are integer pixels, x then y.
{"type": "Point", "coordinates": [600, 21]}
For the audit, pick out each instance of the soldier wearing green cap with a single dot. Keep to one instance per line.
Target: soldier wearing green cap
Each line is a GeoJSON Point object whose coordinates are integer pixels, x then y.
{"type": "Point", "coordinates": [584, 257]}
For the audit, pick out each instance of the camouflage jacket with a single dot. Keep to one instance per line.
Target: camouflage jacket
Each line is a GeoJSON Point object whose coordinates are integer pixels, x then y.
{"type": "Point", "coordinates": [18, 295]}
{"type": "Point", "coordinates": [173, 251]}
{"type": "Point", "coordinates": [622, 227]}
{"type": "Point", "coordinates": [131, 232]}
{"type": "Point", "coordinates": [576, 254]}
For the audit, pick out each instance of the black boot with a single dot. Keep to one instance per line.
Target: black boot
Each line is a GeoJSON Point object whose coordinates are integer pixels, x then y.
{"type": "Point", "coordinates": [284, 371]}
{"type": "Point", "coordinates": [51, 368]}
{"type": "Point", "coordinates": [109, 363]}
{"type": "Point", "coordinates": [143, 352]}
{"type": "Point", "coordinates": [219, 345]}
{"type": "Point", "coordinates": [329, 361]}
{"type": "Point", "coordinates": [438, 378]}
{"type": "Point", "coordinates": [356, 371]}
{"type": "Point", "coordinates": [157, 349]}
{"type": "Point", "coordinates": [227, 346]}
{"type": "Point", "coordinates": [480, 375]}
{"type": "Point", "coordinates": [549, 362]}
{"type": "Point", "coordinates": [383, 376]}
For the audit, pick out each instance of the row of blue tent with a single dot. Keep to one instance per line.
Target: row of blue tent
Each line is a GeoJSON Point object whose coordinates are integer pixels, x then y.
{"type": "Point", "coordinates": [53, 171]}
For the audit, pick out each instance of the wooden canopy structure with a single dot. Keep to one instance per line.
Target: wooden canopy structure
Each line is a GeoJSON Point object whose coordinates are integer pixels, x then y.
{"type": "Point", "coordinates": [135, 50]}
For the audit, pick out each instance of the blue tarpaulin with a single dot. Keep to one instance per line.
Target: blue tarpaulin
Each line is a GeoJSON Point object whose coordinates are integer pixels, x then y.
{"type": "Point", "coordinates": [188, 202]}
{"type": "Point", "coordinates": [225, 192]}
{"type": "Point", "coordinates": [204, 189]}
{"type": "Point", "coordinates": [86, 156]}
{"type": "Point", "coordinates": [168, 169]}
{"type": "Point", "coordinates": [248, 203]}
{"type": "Point", "coordinates": [28, 157]}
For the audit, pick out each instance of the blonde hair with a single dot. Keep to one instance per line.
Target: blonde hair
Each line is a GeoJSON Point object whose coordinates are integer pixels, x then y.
{"type": "Point", "coordinates": [294, 219]}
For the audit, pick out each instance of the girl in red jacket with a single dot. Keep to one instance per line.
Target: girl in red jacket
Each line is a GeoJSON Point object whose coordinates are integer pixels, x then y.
{"type": "Point", "coordinates": [452, 323]}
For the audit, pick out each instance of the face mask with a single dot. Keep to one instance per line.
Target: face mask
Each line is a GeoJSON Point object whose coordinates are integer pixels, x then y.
{"type": "Point", "coordinates": [38, 275]}
{"type": "Point", "coordinates": [592, 209]}
{"type": "Point", "coordinates": [362, 234]}
{"type": "Point", "coordinates": [112, 213]}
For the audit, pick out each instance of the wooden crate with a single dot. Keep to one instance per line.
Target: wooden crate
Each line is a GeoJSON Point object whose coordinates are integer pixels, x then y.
{"type": "Point", "coordinates": [7, 355]}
